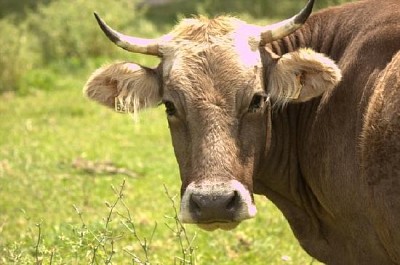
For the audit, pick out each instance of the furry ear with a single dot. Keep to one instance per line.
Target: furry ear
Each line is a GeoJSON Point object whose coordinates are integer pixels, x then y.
{"type": "Point", "coordinates": [302, 75]}
{"type": "Point", "coordinates": [126, 87]}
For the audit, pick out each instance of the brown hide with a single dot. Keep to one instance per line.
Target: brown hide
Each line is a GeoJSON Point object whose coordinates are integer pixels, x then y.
{"type": "Point", "coordinates": [333, 168]}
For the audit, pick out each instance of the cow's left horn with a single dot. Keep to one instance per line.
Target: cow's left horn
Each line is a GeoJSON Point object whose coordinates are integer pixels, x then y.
{"type": "Point", "coordinates": [132, 44]}
{"type": "Point", "coordinates": [284, 28]}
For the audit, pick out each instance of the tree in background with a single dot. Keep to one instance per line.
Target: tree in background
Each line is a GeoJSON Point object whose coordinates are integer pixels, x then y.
{"type": "Point", "coordinates": [264, 8]}
{"type": "Point", "coordinates": [255, 8]}
{"type": "Point", "coordinates": [19, 8]}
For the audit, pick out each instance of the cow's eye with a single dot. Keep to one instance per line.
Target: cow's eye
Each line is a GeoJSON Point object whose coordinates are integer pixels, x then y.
{"type": "Point", "coordinates": [169, 108]}
{"type": "Point", "coordinates": [256, 102]}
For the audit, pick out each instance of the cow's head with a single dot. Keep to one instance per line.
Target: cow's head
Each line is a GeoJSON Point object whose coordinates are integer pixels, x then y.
{"type": "Point", "coordinates": [217, 79]}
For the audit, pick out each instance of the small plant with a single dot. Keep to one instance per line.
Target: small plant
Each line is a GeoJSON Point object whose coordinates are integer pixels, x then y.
{"type": "Point", "coordinates": [130, 225]}
{"type": "Point", "coordinates": [185, 242]}
{"type": "Point", "coordinates": [100, 243]}
{"type": "Point", "coordinates": [39, 239]}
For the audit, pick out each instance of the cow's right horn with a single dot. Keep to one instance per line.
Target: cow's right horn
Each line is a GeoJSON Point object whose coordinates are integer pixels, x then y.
{"type": "Point", "coordinates": [284, 28]}
{"type": "Point", "coordinates": [132, 44]}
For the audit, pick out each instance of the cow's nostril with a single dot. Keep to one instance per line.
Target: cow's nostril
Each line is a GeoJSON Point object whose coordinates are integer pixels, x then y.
{"type": "Point", "coordinates": [233, 202]}
{"type": "Point", "coordinates": [221, 207]}
{"type": "Point", "coordinates": [195, 203]}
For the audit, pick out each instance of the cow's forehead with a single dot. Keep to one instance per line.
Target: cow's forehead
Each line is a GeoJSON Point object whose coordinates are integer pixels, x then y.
{"type": "Point", "coordinates": [213, 67]}
{"type": "Point", "coordinates": [220, 42]}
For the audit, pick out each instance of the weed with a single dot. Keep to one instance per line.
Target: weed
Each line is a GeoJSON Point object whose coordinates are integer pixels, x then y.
{"type": "Point", "coordinates": [102, 241]}
{"type": "Point", "coordinates": [186, 244]}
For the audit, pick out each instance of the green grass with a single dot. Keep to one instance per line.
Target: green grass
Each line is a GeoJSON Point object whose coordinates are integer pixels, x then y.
{"type": "Point", "coordinates": [43, 132]}
{"type": "Point", "coordinates": [54, 213]}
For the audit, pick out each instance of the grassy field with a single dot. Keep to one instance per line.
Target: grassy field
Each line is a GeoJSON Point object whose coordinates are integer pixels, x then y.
{"type": "Point", "coordinates": [55, 209]}
{"type": "Point", "coordinates": [65, 197]}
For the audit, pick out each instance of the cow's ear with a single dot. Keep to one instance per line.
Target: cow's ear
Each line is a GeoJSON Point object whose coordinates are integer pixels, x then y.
{"type": "Point", "coordinates": [302, 75]}
{"type": "Point", "coordinates": [126, 87]}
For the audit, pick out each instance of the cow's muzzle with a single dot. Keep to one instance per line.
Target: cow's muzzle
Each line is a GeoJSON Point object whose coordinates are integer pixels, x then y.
{"type": "Point", "coordinates": [216, 204]}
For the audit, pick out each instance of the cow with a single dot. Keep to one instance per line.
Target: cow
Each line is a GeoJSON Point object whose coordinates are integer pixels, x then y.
{"type": "Point", "coordinates": [305, 111]}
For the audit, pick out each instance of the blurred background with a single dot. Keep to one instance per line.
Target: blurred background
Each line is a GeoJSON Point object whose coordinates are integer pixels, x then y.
{"type": "Point", "coordinates": [80, 184]}
{"type": "Point", "coordinates": [39, 34]}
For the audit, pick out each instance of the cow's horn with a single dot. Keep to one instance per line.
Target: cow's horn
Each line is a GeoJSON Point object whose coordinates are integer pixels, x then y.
{"type": "Point", "coordinates": [284, 28]}
{"type": "Point", "coordinates": [132, 44]}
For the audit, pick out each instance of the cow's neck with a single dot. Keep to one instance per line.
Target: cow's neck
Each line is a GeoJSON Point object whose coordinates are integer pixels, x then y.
{"type": "Point", "coordinates": [281, 171]}
{"type": "Point", "coordinates": [281, 178]}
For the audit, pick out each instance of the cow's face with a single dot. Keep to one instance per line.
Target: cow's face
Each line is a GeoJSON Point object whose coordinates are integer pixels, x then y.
{"type": "Point", "coordinates": [216, 107]}
{"type": "Point", "coordinates": [216, 83]}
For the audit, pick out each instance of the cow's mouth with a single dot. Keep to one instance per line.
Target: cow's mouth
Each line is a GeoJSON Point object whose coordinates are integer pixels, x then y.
{"type": "Point", "coordinates": [218, 225]}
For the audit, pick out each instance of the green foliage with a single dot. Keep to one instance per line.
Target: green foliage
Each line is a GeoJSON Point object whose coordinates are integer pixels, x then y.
{"type": "Point", "coordinates": [17, 54]}
{"type": "Point", "coordinates": [62, 32]}
{"type": "Point", "coordinates": [263, 8]}
{"type": "Point", "coordinates": [37, 79]}
{"type": "Point", "coordinates": [41, 34]}
{"type": "Point", "coordinates": [256, 9]}
{"type": "Point", "coordinates": [67, 29]}
{"type": "Point", "coordinates": [19, 9]}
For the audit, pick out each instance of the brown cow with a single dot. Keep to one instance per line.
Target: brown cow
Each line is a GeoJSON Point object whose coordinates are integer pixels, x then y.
{"type": "Point", "coordinates": [262, 110]}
